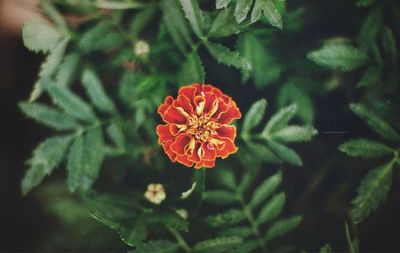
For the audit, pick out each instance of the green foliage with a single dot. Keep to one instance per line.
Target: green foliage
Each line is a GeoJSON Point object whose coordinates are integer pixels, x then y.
{"type": "Point", "coordinates": [365, 148]}
{"type": "Point", "coordinates": [40, 36]}
{"type": "Point", "coordinates": [266, 208]}
{"type": "Point", "coordinates": [194, 15]}
{"type": "Point", "coordinates": [217, 245]}
{"type": "Point", "coordinates": [161, 246]}
{"type": "Point", "coordinates": [227, 57]}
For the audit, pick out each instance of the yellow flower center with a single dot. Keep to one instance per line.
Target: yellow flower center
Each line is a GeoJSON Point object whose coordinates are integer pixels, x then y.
{"type": "Point", "coordinates": [201, 127]}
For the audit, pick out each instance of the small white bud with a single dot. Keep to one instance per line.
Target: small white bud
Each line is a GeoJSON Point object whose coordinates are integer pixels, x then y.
{"type": "Point", "coordinates": [155, 193]}
{"type": "Point", "coordinates": [141, 48]}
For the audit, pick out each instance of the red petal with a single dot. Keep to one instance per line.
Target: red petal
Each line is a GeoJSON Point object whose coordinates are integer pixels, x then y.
{"type": "Point", "coordinates": [164, 134]}
{"type": "Point", "coordinates": [184, 102]}
{"type": "Point", "coordinates": [184, 160]}
{"type": "Point", "coordinates": [168, 151]}
{"type": "Point", "coordinates": [232, 113]}
{"type": "Point", "coordinates": [206, 164]}
{"type": "Point", "coordinates": [228, 148]}
{"type": "Point", "coordinates": [227, 131]}
{"type": "Point", "coordinates": [164, 106]}
{"type": "Point", "coordinates": [180, 143]}
{"type": "Point", "coordinates": [189, 91]}
{"type": "Point", "coordinates": [173, 115]}
{"type": "Point", "coordinates": [176, 129]}
{"type": "Point", "coordinates": [209, 152]}
{"type": "Point", "coordinates": [222, 108]}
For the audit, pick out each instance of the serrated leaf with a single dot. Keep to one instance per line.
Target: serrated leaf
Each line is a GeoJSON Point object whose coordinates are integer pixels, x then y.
{"type": "Point", "coordinates": [48, 68]}
{"type": "Point", "coordinates": [272, 208]}
{"type": "Point", "coordinates": [279, 119]}
{"type": "Point", "coordinates": [389, 44]}
{"type": "Point", "coordinates": [173, 220]}
{"type": "Point", "coordinates": [270, 12]}
{"type": "Point", "coordinates": [219, 244]}
{"type": "Point", "coordinates": [219, 4]}
{"type": "Point", "coordinates": [40, 36]}
{"type": "Point", "coordinates": [159, 246]}
{"type": "Point", "coordinates": [372, 192]}
{"type": "Point", "coordinates": [192, 70]}
{"type": "Point", "coordinates": [254, 115]}
{"type": "Point", "coordinates": [265, 68]}
{"type": "Point", "coordinates": [227, 57]}
{"type": "Point", "coordinates": [242, 9]}
{"type": "Point", "coordinates": [194, 15]}
{"type": "Point", "coordinates": [223, 25]}
{"type": "Point", "coordinates": [96, 92]}
{"type": "Point", "coordinates": [365, 148]}
{"type": "Point", "coordinates": [339, 55]}
{"type": "Point", "coordinates": [282, 227]}
{"type": "Point", "coordinates": [294, 134]}
{"type": "Point", "coordinates": [229, 217]}
{"type": "Point", "coordinates": [72, 104]}
{"type": "Point", "coordinates": [85, 159]}
{"type": "Point", "coordinates": [227, 179]}
{"type": "Point", "coordinates": [246, 247]}
{"type": "Point", "coordinates": [375, 122]}
{"type": "Point", "coordinates": [262, 153]}
{"type": "Point", "coordinates": [49, 116]}
{"type": "Point", "coordinates": [100, 37]}
{"type": "Point", "coordinates": [116, 135]}
{"type": "Point", "coordinates": [176, 23]}
{"type": "Point", "coordinates": [266, 188]}
{"type": "Point", "coordinates": [370, 28]}
{"type": "Point", "coordinates": [219, 197]}
{"type": "Point", "coordinates": [46, 157]}
{"type": "Point", "coordinates": [371, 76]}
{"type": "Point", "coordinates": [136, 234]}
{"type": "Point", "coordinates": [67, 70]}
{"type": "Point", "coordinates": [243, 231]}
{"type": "Point", "coordinates": [140, 21]}
{"type": "Point", "coordinates": [285, 153]}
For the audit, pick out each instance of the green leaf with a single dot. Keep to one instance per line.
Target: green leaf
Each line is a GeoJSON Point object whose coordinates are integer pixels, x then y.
{"type": "Point", "coordinates": [85, 159]}
{"type": "Point", "coordinates": [219, 197]}
{"type": "Point", "coordinates": [96, 92]}
{"type": "Point", "coordinates": [72, 104]}
{"type": "Point", "coordinates": [68, 69]}
{"type": "Point", "coordinates": [254, 115]}
{"type": "Point", "coordinates": [176, 23]}
{"type": "Point", "coordinates": [227, 57]}
{"type": "Point", "coordinates": [389, 44]}
{"type": "Point", "coordinates": [192, 70]}
{"type": "Point", "coordinates": [270, 12]}
{"type": "Point", "coordinates": [49, 116]}
{"type": "Point", "coordinates": [326, 249]}
{"type": "Point", "coordinates": [141, 20]}
{"type": "Point", "coordinates": [40, 36]}
{"type": "Point", "coordinates": [159, 246]}
{"type": "Point", "coordinates": [246, 247]}
{"type": "Point", "coordinates": [223, 25]}
{"type": "Point", "coordinates": [194, 15]}
{"type": "Point", "coordinates": [372, 191]}
{"type": "Point", "coordinates": [265, 68]}
{"type": "Point", "coordinates": [365, 3]}
{"type": "Point", "coordinates": [294, 134]}
{"type": "Point", "coordinates": [116, 135]}
{"type": "Point", "coordinates": [136, 234]}
{"type": "Point", "coordinates": [279, 119]}
{"type": "Point", "coordinates": [370, 28]}
{"type": "Point", "coordinates": [229, 217]}
{"type": "Point", "coordinates": [242, 8]}
{"type": "Point", "coordinates": [46, 157]}
{"type": "Point", "coordinates": [219, 4]}
{"type": "Point", "coordinates": [351, 244]}
{"type": "Point", "coordinates": [282, 227]}
{"type": "Point", "coordinates": [267, 187]}
{"type": "Point", "coordinates": [242, 231]}
{"type": "Point", "coordinates": [339, 55]}
{"type": "Point", "coordinates": [285, 153]}
{"type": "Point", "coordinates": [173, 220]}
{"type": "Point", "coordinates": [227, 179]}
{"type": "Point", "coordinates": [261, 152]}
{"type": "Point", "coordinates": [115, 5]}
{"type": "Point", "coordinates": [365, 148]}
{"type": "Point", "coordinates": [101, 37]}
{"type": "Point", "coordinates": [272, 208]}
{"type": "Point", "coordinates": [219, 244]}
{"type": "Point", "coordinates": [48, 68]}
{"type": "Point", "coordinates": [371, 76]}
{"type": "Point", "coordinates": [375, 122]}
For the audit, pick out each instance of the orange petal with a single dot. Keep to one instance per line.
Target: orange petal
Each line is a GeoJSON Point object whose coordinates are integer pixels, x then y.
{"type": "Point", "coordinates": [189, 91]}
{"type": "Point", "coordinates": [164, 106]}
{"type": "Point", "coordinates": [228, 148]}
{"type": "Point", "coordinates": [173, 115]}
{"type": "Point", "coordinates": [184, 160]}
{"type": "Point", "coordinates": [232, 113]}
{"type": "Point", "coordinates": [184, 102]}
{"type": "Point", "coordinates": [167, 149]}
{"type": "Point", "coordinates": [180, 143]}
{"type": "Point", "coordinates": [227, 131]}
{"type": "Point", "coordinates": [164, 134]}
{"type": "Point", "coordinates": [176, 129]}
{"type": "Point", "coordinates": [206, 164]}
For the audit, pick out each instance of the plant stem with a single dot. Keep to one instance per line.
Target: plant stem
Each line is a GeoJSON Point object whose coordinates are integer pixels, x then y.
{"type": "Point", "coordinates": [180, 240]}
{"type": "Point", "coordinates": [199, 178]}
{"type": "Point", "coordinates": [252, 222]}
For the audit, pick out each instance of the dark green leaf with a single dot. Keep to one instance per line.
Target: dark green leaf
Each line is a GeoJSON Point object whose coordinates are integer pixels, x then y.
{"type": "Point", "coordinates": [194, 15]}
{"type": "Point", "coordinates": [116, 135]}
{"type": "Point", "coordinates": [67, 70]}
{"type": "Point", "coordinates": [224, 25]}
{"type": "Point", "coordinates": [372, 191]}
{"type": "Point", "coordinates": [227, 57]}
{"type": "Point", "coordinates": [219, 244]}
{"type": "Point", "coordinates": [267, 187]}
{"type": "Point", "coordinates": [285, 153]}
{"type": "Point", "coordinates": [282, 227]}
{"type": "Point", "coordinates": [365, 148]}
{"type": "Point", "coordinates": [371, 76]}
{"type": "Point", "coordinates": [246, 247]}
{"type": "Point", "coordinates": [219, 4]}
{"type": "Point", "coordinates": [49, 116]}
{"type": "Point", "coordinates": [272, 208]}
{"type": "Point", "coordinates": [192, 70]}
{"type": "Point", "coordinates": [219, 197]}
{"type": "Point", "coordinates": [326, 249]}
{"type": "Point", "coordinates": [46, 157]}
{"type": "Point", "coordinates": [229, 217]}
{"type": "Point", "coordinates": [242, 8]}
{"type": "Point", "coordinates": [254, 115]}
{"type": "Point", "coordinates": [227, 179]}
{"type": "Point", "coordinates": [280, 119]}
{"type": "Point", "coordinates": [243, 232]}
{"type": "Point", "coordinates": [158, 246]}
{"type": "Point", "coordinates": [270, 12]}
{"type": "Point", "coordinates": [294, 134]}
{"type": "Point", "coordinates": [389, 44]}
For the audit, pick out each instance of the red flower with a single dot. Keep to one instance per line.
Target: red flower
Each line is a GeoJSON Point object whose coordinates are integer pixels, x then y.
{"type": "Point", "coordinates": [197, 129]}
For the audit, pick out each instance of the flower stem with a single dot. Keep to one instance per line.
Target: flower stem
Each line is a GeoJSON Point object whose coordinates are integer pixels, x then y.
{"type": "Point", "coordinates": [180, 240]}
{"type": "Point", "coordinates": [199, 178]}
{"type": "Point", "coordinates": [253, 225]}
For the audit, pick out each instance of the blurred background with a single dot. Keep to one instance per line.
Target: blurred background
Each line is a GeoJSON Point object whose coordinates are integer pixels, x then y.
{"type": "Point", "coordinates": [321, 191]}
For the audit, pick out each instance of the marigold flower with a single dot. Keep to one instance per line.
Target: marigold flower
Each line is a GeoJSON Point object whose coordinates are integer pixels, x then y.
{"type": "Point", "coordinates": [155, 193]}
{"type": "Point", "coordinates": [197, 129]}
